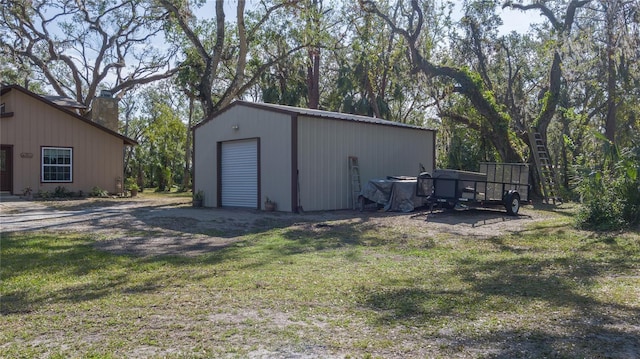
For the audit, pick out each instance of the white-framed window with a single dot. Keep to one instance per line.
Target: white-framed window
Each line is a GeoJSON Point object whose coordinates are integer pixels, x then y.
{"type": "Point", "coordinates": [57, 164]}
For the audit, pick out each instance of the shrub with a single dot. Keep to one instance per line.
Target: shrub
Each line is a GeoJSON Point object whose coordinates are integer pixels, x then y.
{"type": "Point", "coordinates": [611, 196]}
{"type": "Point", "coordinates": [131, 184]}
{"type": "Point", "coordinates": [600, 213]}
{"type": "Point", "coordinates": [43, 194]}
{"type": "Point", "coordinates": [61, 192]}
{"type": "Point", "coordinates": [98, 192]}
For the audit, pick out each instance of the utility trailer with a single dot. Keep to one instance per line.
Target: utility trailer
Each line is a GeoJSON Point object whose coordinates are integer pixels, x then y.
{"type": "Point", "coordinates": [504, 184]}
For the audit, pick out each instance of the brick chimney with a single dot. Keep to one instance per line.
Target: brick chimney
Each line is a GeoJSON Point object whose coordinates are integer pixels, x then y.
{"type": "Point", "coordinates": [104, 110]}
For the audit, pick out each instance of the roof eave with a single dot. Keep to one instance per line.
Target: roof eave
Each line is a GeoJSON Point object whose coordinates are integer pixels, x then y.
{"type": "Point", "coordinates": [293, 111]}
{"type": "Point", "coordinates": [125, 140]}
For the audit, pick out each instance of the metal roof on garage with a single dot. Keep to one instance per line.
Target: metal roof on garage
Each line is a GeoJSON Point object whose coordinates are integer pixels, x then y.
{"type": "Point", "coordinates": [316, 113]}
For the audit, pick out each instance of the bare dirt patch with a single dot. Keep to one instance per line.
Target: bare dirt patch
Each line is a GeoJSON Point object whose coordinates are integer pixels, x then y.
{"type": "Point", "coordinates": [149, 226]}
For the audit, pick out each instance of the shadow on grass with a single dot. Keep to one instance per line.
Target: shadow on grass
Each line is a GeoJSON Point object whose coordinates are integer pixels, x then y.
{"type": "Point", "coordinates": [214, 222]}
{"type": "Point", "coordinates": [85, 271]}
{"type": "Point", "coordinates": [566, 209]}
{"type": "Point", "coordinates": [308, 237]}
{"type": "Point", "coordinates": [473, 217]}
{"type": "Point", "coordinates": [186, 230]}
{"type": "Point", "coordinates": [146, 228]}
{"type": "Point", "coordinates": [278, 245]}
{"type": "Point", "coordinates": [40, 269]}
{"type": "Point", "coordinates": [597, 342]}
{"type": "Point", "coordinates": [508, 285]}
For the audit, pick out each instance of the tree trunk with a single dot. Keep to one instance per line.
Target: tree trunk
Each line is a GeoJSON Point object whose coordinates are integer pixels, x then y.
{"type": "Point", "coordinates": [550, 99]}
{"type": "Point", "coordinates": [564, 151]}
{"type": "Point", "coordinates": [313, 66]}
{"type": "Point", "coordinates": [373, 99]}
{"type": "Point", "coordinates": [610, 124]}
{"type": "Point", "coordinates": [313, 78]}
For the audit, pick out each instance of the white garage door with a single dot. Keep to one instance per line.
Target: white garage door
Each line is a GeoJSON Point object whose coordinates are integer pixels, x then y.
{"type": "Point", "coordinates": [240, 173]}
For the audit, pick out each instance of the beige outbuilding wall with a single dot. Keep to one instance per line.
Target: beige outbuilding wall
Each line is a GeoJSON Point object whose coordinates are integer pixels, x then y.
{"type": "Point", "coordinates": [324, 146]}
{"type": "Point", "coordinates": [34, 124]}
{"type": "Point", "coordinates": [303, 154]}
{"type": "Point", "coordinates": [273, 131]}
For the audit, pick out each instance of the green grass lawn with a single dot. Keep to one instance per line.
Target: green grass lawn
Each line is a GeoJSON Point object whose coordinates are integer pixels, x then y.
{"type": "Point", "coordinates": [345, 291]}
{"type": "Point", "coordinates": [151, 192]}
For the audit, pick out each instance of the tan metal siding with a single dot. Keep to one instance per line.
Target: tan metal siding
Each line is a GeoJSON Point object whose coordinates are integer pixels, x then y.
{"type": "Point", "coordinates": [274, 131]}
{"type": "Point", "coordinates": [325, 145]}
{"type": "Point", "coordinates": [97, 155]}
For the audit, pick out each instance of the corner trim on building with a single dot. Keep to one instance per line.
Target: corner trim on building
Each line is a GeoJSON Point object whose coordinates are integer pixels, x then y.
{"type": "Point", "coordinates": [295, 183]}
{"type": "Point", "coordinates": [219, 174]}
{"type": "Point", "coordinates": [194, 188]}
{"type": "Point", "coordinates": [434, 150]}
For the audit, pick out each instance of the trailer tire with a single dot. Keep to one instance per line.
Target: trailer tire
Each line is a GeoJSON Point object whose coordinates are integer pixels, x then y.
{"type": "Point", "coordinates": [512, 203]}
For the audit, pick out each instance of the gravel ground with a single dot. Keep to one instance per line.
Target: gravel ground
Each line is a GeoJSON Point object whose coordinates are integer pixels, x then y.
{"type": "Point", "coordinates": [169, 225]}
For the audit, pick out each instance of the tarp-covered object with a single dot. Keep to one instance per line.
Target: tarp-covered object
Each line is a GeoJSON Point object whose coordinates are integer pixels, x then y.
{"type": "Point", "coordinates": [395, 194]}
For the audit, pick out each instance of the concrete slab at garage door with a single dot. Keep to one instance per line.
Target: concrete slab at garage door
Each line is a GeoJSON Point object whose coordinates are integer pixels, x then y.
{"type": "Point", "coordinates": [239, 173]}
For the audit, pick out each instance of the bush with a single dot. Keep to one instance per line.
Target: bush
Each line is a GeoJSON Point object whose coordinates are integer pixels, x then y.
{"type": "Point", "coordinates": [131, 184]}
{"type": "Point", "coordinates": [600, 213]}
{"type": "Point", "coordinates": [98, 192]}
{"type": "Point", "coordinates": [61, 192]}
{"type": "Point", "coordinates": [43, 194]}
{"type": "Point", "coordinates": [611, 196]}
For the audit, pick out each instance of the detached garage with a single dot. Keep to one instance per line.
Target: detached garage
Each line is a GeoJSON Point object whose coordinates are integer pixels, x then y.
{"type": "Point", "coordinates": [299, 158]}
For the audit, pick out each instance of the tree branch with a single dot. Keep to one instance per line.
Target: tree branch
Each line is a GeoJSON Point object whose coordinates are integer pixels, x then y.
{"type": "Point", "coordinates": [545, 11]}
{"type": "Point", "coordinates": [228, 96]}
{"type": "Point", "coordinates": [188, 32]}
{"type": "Point", "coordinates": [468, 85]}
{"type": "Point", "coordinates": [468, 122]}
{"type": "Point", "coordinates": [141, 81]}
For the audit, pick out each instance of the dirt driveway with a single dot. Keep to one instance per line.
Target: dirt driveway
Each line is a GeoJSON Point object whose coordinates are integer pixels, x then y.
{"type": "Point", "coordinates": [169, 225]}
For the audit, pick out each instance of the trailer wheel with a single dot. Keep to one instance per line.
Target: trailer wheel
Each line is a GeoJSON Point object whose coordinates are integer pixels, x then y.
{"type": "Point", "coordinates": [512, 203]}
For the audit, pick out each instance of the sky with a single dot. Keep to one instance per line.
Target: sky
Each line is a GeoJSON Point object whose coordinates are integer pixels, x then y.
{"type": "Point", "coordinates": [519, 21]}
{"type": "Point", "coordinates": [514, 20]}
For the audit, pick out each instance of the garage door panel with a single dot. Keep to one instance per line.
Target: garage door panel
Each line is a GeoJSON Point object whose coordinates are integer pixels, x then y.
{"type": "Point", "coordinates": [239, 173]}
